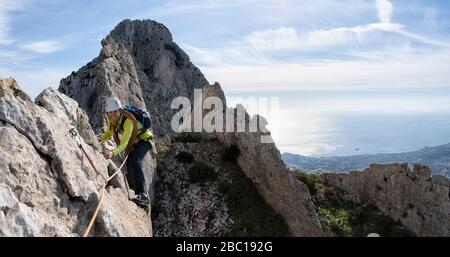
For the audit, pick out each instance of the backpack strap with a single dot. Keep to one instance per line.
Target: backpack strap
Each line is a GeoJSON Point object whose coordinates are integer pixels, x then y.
{"type": "Point", "coordinates": [114, 129]}
{"type": "Point", "coordinates": [134, 133]}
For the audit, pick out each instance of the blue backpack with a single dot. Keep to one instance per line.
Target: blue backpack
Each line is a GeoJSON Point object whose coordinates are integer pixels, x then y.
{"type": "Point", "coordinates": [141, 115]}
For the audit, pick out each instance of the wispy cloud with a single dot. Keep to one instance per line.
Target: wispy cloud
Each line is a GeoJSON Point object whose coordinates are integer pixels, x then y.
{"type": "Point", "coordinates": [414, 70]}
{"type": "Point", "coordinates": [176, 7]}
{"type": "Point", "coordinates": [424, 39]}
{"type": "Point", "coordinates": [254, 47]}
{"type": "Point", "coordinates": [385, 10]}
{"type": "Point", "coordinates": [9, 58]}
{"type": "Point", "coordinates": [281, 59]}
{"type": "Point", "coordinates": [6, 7]}
{"type": "Point", "coordinates": [43, 47]}
{"type": "Point", "coordinates": [288, 37]}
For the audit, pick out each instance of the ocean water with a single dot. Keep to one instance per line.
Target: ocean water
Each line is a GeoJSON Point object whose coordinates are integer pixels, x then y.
{"type": "Point", "coordinates": [328, 123]}
{"type": "Point", "coordinates": [389, 133]}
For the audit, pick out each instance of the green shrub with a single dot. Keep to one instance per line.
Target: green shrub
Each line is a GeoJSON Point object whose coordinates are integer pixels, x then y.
{"type": "Point", "coordinates": [231, 154]}
{"type": "Point", "coordinates": [223, 188]}
{"type": "Point", "coordinates": [201, 173]}
{"type": "Point", "coordinates": [184, 157]}
{"type": "Point", "coordinates": [366, 219]}
{"type": "Point", "coordinates": [253, 216]}
{"type": "Point", "coordinates": [310, 180]}
{"type": "Point", "coordinates": [162, 147]}
{"type": "Point", "coordinates": [330, 192]}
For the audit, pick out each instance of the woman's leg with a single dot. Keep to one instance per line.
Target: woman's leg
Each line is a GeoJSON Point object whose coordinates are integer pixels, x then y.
{"type": "Point", "coordinates": [130, 171]}
{"type": "Point", "coordinates": [137, 166]}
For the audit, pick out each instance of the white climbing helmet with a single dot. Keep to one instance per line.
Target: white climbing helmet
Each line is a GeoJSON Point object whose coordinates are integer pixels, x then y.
{"type": "Point", "coordinates": [112, 104]}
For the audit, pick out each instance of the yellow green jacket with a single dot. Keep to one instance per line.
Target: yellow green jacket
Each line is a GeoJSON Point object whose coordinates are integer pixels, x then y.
{"type": "Point", "coordinates": [125, 135]}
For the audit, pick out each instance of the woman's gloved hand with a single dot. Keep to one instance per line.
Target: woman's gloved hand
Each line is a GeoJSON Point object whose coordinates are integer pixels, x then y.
{"type": "Point", "coordinates": [108, 154]}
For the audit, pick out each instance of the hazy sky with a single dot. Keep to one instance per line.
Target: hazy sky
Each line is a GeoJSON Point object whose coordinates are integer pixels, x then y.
{"type": "Point", "coordinates": [285, 48]}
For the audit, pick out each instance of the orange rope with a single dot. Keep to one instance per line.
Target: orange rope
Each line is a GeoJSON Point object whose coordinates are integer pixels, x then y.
{"type": "Point", "coordinates": [102, 194]}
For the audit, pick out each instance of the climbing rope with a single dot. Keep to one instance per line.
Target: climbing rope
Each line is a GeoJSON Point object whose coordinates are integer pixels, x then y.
{"type": "Point", "coordinates": [77, 138]}
{"type": "Point", "coordinates": [102, 194]}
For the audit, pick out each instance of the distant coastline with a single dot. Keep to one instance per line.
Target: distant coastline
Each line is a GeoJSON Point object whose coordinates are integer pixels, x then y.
{"type": "Point", "coordinates": [437, 158]}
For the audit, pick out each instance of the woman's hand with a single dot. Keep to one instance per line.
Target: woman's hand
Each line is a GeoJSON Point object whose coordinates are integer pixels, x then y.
{"type": "Point", "coordinates": [108, 154]}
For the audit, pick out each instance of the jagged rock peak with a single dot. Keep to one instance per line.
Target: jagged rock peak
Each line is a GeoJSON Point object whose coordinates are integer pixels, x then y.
{"type": "Point", "coordinates": [128, 32]}
{"type": "Point", "coordinates": [140, 64]}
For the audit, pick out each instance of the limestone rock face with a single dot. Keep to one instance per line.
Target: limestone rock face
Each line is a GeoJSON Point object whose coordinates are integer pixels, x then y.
{"type": "Point", "coordinates": [418, 200]}
{"type": "Point", "coordinates": [66, 109]}
{"type": "Point", "coordinates": [47, 186]}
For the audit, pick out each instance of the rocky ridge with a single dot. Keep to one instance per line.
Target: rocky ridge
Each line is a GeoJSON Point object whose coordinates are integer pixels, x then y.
{"type": "Point", "coordinates": [421, 202]}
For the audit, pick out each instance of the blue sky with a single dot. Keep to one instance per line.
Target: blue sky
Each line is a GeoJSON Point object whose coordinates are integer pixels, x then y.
{"type": "Point", "coordinates": [287, 48]}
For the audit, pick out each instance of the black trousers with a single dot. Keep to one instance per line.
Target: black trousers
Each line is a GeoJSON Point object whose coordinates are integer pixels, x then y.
{"type": "Point", "coordinates": [135, 167]}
